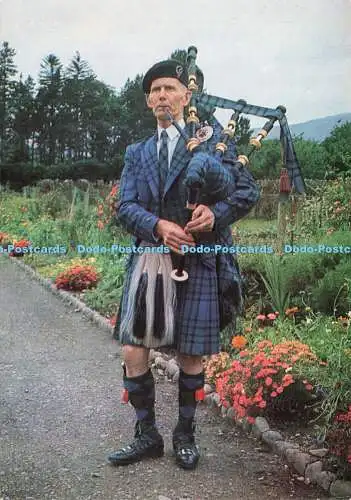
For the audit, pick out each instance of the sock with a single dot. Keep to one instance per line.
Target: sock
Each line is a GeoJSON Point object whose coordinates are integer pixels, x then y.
{"type": "Point", "coordinates": [141, 393]}
{"type": "Point", "coordinates": [190, 392]}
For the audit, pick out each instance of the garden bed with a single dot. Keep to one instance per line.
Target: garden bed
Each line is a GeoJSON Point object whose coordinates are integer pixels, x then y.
{"type": "Point", "coordinates": [310, 292]}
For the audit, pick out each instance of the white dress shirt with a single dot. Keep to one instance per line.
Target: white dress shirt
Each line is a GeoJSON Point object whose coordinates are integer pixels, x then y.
{"type": "Point", "coordinates": [173, 136]}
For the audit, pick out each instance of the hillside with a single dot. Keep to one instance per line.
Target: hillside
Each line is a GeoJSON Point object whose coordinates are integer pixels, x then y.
{"type": "Point", "coordinates": [316, 130]}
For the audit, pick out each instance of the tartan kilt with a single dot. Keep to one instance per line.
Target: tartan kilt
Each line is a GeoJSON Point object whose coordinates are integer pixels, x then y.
{"type": "Point", "coordinates": [197, 321]}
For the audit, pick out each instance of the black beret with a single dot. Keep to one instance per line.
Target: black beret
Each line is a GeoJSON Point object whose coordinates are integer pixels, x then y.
{"type": "Point", "coordinates": [170, 68]}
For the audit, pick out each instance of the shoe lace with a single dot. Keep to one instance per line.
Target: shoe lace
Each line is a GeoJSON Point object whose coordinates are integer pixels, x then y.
{"type": "Point", "coordinates": [141, 437]}
{"type": "Point", "coordinates": [185, 444]}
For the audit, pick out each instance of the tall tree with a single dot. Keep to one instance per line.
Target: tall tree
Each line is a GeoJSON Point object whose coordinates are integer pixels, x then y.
{"type": "Point", "coordinates": [78, 78]}
{"type": "Point", "coordinates": [24, 119]}
{"type": "Point", "coordinates": [49, 100]}
{"type": "Point", "coordinates": [135, 118]}
{"type": "Point", "coordinates": [180, 54]}
{"type": "Point", "coordinates": [338, 147]}
{"type": "Point", "coordinates": [7, 85]}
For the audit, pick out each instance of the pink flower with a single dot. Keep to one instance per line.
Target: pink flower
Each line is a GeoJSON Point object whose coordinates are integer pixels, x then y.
{"type": "Point", "coordinates": [268, 381]}
{"type": "Point", "coordinates": [261, 317]}
{"type": "Point", "coordinates": [271, 316]}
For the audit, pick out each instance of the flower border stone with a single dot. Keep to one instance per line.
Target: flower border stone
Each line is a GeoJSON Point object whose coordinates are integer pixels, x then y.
{"type": "Point", "coordinates": [307, 465]}
{"type": "Point", "coordinates": [66, 297]}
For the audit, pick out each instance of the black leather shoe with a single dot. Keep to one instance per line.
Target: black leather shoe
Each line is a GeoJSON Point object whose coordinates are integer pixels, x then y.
{"type": "Point", "coordinates": [147, 443]}
{"type": "Point", "coordinates": [186, 451]}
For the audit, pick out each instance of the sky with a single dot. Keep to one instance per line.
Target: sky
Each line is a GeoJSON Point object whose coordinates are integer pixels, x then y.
{"type": "Point", "coordinates": [268, 52]}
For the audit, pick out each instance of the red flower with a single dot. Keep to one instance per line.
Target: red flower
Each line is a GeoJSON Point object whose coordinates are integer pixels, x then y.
{"type": "Point", "coordinates": [77, 278]}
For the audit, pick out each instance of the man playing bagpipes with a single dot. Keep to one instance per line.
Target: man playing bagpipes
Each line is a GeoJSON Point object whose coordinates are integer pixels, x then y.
{"type": "Point", "coordinates": [158, 310]}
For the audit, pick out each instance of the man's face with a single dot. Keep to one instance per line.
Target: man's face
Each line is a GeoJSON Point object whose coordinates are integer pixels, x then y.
{"type": "Point", "coordinates": [168, 94]}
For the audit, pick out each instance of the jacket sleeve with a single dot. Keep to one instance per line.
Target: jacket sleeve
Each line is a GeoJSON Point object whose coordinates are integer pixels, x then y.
{"type": "Point", "coordinates": [131, 215]}
{"type": "Point", "coordinates": [243, 196]}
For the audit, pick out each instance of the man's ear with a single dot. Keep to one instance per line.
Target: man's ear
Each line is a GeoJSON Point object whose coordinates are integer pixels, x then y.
{"type": "Point", "coordinates": [148, 101]}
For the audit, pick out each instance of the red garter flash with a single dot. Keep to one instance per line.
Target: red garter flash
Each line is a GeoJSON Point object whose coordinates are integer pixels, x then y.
{"type": "Point", "coordinates": [200, 394]}
{"type": "Point", "coordinates": [125, 396]}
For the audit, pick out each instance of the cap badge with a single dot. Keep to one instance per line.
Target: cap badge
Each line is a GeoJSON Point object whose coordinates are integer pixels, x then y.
{"type": "Point", "coordinates": [179, 71]}
{"type": "Point", "coordinates": [204, 133]}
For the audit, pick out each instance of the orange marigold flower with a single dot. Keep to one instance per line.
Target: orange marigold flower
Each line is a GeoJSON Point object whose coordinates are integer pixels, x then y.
{"type": "Point", "coordinates": [239, 341]}
{"type": "Point", "coordinates": [291, 310]}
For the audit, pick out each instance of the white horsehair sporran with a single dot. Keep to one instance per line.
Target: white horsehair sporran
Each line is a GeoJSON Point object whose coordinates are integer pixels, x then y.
{"type": "Point", "coordinates": [149, 317]}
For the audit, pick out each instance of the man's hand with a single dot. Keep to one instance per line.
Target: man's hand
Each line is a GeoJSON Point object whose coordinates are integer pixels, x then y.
{"type": "Point", "coordinates": [173, 235]}
{"type": "Point", "coordinates": [202, 220]}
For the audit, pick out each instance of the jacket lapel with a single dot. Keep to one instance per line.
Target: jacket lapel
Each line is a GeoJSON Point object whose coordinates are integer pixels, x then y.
{"type": "Point", "coordinates": [150, 164]}
{"type": "Point", "coordinates": [180, 159]}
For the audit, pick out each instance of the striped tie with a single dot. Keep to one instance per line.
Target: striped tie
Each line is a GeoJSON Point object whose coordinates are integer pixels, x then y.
{"type": "Point", "coordinates": [163, 160]}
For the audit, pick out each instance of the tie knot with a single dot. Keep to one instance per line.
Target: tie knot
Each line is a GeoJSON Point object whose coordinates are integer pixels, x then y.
{"type": "Point", "coordinates": [164, 135]}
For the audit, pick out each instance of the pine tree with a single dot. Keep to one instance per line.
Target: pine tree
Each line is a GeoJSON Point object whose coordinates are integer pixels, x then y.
{"type": "Point", "coordinates": [7, 86]}
{"type": "Point", "coordinates": [49, 101]}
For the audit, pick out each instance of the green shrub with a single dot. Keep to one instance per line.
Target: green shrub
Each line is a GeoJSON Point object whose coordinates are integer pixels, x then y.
{"type": "Point", "coordinates": [105, 298]}
{"type": "Point", "coordinates": [333, 292]}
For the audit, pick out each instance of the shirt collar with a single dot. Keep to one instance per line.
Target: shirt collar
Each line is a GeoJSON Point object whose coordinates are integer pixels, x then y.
{"type": "Point", "coordinates": [171, 130]}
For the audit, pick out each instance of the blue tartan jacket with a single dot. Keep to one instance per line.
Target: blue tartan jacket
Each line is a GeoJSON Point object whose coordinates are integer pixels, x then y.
{"type": "Point", "coordinates": [139, 211]}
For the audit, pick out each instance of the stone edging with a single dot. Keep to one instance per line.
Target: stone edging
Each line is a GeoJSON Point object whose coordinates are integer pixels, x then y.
{"type": "Point", "coordinates": [66, 297]}
{"type": "Point", "coordinates": [308, 465]}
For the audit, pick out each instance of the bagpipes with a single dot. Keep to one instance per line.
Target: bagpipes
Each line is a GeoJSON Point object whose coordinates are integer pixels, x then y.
{"type": "Point", "coordinates": [198, 175]}
{"type": "Point", "coordinates": [151, 300]}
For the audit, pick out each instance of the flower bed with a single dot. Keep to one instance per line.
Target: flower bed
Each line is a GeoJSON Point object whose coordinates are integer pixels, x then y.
{"type": "Point", "coordinates": [289, 371]}
{"type": "Point", "coordinates": [290, 361]}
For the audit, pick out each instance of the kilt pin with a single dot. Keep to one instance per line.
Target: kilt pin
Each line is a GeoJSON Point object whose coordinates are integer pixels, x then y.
{"type": "Point", "coordinates": [197, 315]}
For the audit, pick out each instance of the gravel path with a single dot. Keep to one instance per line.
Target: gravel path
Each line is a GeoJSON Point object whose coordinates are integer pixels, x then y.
{"type": "Point", "coordinates": [60, 383]}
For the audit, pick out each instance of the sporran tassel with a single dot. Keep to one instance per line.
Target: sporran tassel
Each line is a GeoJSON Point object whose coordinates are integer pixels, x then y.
{"type": "Point", "coordinates": [149, 317]}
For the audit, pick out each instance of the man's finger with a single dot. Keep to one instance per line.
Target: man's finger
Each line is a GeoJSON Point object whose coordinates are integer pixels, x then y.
{"type": "Point", "coordinates": [193, 224]}
{"type": "Point", "coordinates": [198, 210]}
